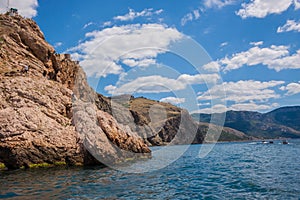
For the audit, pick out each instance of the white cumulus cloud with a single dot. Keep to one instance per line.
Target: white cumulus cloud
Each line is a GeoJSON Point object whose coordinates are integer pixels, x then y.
{"type": "Point", "coordinates": [188, 17]}
{"type": "Point", "coordinates": [254, 56]}
{"type": "Point", "coordinates": [274, 57]}
{"type": "Point", "coordinates": [142, 63]}
{"type": "Point", "coordinates": [218, 108]}
{"type": "Point", "coordinates": [252, 107]}
{"type": "Point", "coordinates": [131, 15]}
{"type": "Point", "coordinates": [297, 4]}
{"type": "Point", "coordinates": [88, 24]}
{"type": "Point", "coordinates": [198, 78]}
{"type": "Point", "coordinates": [262, 8]}
{"type": "Point", "coordinates": [26, 8]}
{"type": "Point", "coordinates": [259, 43]}
{"type": "Point", "coordinates": [207, 4]}
{"type": "Point", "coordinates": [194, 15]}
{"type": "Point", "coordinates": [292, 88]}
{"type": "Point", "coordinates": [286, 62]}
{"type": "Point", "coordinates": [213, 66]}
{"type": "Point", "coordinates": [224, 44]}
{"type": "Point", "coordinates": [136, 45]}
{"type": "Point", "coordinates": [291, 25]}
{"type": "Point", "coordinates": [107, 23]}
{"type": "Point", "coordinates": [159, 84]}
{"type": "Point", "coordinates": [148, 84]}
{"type": "Point", "coordinates": [243, 91]}
{"type": "Point", "coordinates": [58, 44]}
{"type": "Point", "coordinates": [173, 100]}
{"type": "Point", "coordinates": [218, 3]}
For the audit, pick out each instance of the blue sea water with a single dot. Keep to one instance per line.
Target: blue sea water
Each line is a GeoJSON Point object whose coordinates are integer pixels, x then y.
{"type": "Point", "coordinates": [229, 171]}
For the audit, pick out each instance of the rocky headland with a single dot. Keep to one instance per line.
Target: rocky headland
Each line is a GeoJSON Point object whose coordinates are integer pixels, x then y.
{"type": "Point", "coordinates": [36, 108]}
{"type": "Point", "coordinates": [49, 115]}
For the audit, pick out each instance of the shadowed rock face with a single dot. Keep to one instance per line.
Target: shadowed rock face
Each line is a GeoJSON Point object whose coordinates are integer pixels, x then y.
{"type": "Point", "coordinates": [161, 123]}
{"type": "Point", "coordinates": [39, 123]}
{"type": "Point", "coordinates": [157, 123]}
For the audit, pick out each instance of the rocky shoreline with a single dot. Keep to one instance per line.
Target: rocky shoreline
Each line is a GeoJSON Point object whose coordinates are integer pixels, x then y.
{"type": "Point", "coordinates": [50, 116]}
{"type": "Point", "coordinates": [36, 110]}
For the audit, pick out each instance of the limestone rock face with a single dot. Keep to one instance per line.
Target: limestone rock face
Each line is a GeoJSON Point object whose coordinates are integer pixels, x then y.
{"type": "Point", "coordinates": [107, 140]}
{"type": "Point", "coordinates": [161, 123]}
{"type": "Point", "coordinates": [35, 123]}
{"type": "Point", "coordinates": [120, 135]}
{"type": "Point", "coordinates": [40, 122]}
{"type": "Point", "coordinates": [156, 122]}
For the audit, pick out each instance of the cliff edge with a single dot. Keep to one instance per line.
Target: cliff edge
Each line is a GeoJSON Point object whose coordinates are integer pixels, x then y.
{"type": "Point", "coordinates": [38, 111]}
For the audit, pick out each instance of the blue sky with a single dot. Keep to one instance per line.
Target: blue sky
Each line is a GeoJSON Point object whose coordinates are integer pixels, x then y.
{"type": "Point", "coordinates": [206, 56]}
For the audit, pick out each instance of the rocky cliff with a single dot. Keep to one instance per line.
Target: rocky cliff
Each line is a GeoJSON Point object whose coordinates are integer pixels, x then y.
{"type": "Point", "coordinates": [163, 123]}
{"type": "Point", "coordinates": [39, 122]}
{"type": "Point", "coordinates": [50, 115]}
{"type": "Point", "coordinates": [156, 122]}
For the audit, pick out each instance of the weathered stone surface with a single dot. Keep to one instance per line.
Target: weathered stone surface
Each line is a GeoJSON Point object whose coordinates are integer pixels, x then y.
{"type": "Point", "coordinates": [104, 138]}
{"type": "Point", "coordinates": [162, 123]}
{"type": "Point", "coordinates": [120, 135]}
{"type": "Point", "coordinates": [39, 123]}
{"type": "Point", "coordinates": [157, 123]}
{"type": "Point", "coordinates": [34, 123]}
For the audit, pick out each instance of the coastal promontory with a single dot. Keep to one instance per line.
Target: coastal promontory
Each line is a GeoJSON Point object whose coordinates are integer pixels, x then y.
{"type": "Point", "coordinates": [37, 106]}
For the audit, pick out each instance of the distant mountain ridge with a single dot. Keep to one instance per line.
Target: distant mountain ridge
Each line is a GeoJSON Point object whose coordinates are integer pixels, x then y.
{"type": "Point", "coordinates": [281, 122]}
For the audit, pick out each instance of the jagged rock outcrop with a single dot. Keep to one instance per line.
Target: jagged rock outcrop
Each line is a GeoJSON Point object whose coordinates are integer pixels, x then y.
{"type": "Point", "coordinates": [39, 122]}
{"type": "Point", "coordinates": [51, 115]}
{"type": "Point", "coordinates": [161, 123]}
{"type": "Point", "coordinates": [156, 122]}
{"type": "Point", "coordinates": [34, 123]}
{"type": "Point", "coordinates": [120, 135]}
